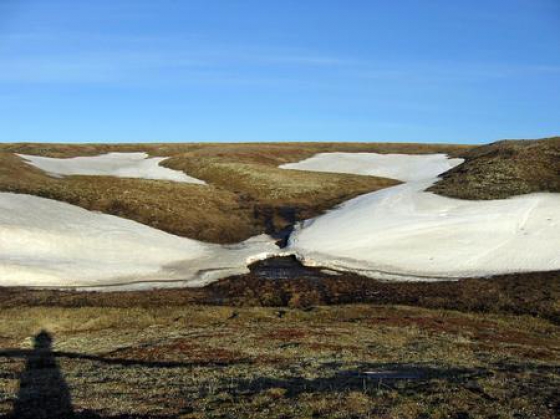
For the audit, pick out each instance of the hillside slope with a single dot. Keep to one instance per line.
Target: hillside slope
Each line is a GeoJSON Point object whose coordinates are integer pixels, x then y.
{"type": "Point", "coordinates": [504, 169]}
{"type": "Point", "coordinates": [247, 194]}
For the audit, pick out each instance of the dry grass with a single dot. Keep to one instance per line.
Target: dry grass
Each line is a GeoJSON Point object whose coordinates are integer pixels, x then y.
{"type": "Point", "coordinates": [504, 169]}
{"type": "Point", "coordinates": [247, 194]}
{"type": "Point", "coordinates": [273, 153]}
{"type": "Point", "coordinates": [201, 212]}
{"type": "Point", "coordinates": [219, 362]}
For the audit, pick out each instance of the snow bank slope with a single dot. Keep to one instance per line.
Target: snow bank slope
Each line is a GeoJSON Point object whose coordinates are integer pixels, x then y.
{"type": "Point", "coordinates": [49, 243]}
{"type": "Point", "coordinates": [405, 233]}
{"type": "Point", "coordinates": [404, 167]}
{"type": "Point", "coordinates": [129, 165]}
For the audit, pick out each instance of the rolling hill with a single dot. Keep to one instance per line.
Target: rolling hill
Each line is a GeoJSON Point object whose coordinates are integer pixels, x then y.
{"type": "Point", "coordinates": [504, 169]}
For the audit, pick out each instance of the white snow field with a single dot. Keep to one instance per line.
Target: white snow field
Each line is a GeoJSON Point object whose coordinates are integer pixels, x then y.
{"type": "Point", "coordinates": [404, 167]}
{"type": "Point", "coordinates": [404, 233]}
{"type": "Point", "coordinates": [127, 165]}
{"type": "Point", "coordinates": [46, 243]}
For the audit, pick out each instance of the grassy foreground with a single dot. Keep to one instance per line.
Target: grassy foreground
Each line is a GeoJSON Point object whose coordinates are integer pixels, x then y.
{"type": "Point", "coordinates": [352, 361]}
{"type": "Point", "coordinates": [251, 347]}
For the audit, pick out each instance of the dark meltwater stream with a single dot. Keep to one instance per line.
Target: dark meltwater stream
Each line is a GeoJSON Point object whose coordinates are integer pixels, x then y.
{"type": "Point", "coordinates": [284, 267]}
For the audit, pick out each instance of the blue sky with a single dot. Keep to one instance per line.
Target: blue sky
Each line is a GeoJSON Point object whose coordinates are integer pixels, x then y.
{"type": "Point", "coordinates": [267, 70]}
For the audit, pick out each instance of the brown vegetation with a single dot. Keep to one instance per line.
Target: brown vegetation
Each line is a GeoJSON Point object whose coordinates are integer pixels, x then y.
{"type": "Point", "coordinates": [536, 294]}
{"type": "Point", "coordinates": [504, 169]}
{"type": "Point", "coordinates": [250, 346]}
{"type": "Point", "coordinates": [246, 193]}
{"type": "Point", "coordinates": [183, 209]}
{"type": "Point", "coordinates": [359, 361]}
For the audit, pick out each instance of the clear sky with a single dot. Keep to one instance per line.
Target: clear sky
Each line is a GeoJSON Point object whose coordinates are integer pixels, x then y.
{"type": "Point", "coordinates": [268, 70]}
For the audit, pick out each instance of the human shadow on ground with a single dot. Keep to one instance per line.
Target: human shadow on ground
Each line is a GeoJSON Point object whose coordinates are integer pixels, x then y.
{"type": "Point", "coordinates": [43, 391]}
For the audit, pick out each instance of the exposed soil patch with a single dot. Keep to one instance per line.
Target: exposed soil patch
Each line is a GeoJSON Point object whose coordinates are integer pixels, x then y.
{"type": "Point", "coordinates": [282, 282]}
{"type": "Point", "coordinates": [279, 221]}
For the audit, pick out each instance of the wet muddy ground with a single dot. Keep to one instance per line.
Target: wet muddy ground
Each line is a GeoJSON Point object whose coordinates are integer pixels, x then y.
{"type": "Point", "coordinates": [284, 282]}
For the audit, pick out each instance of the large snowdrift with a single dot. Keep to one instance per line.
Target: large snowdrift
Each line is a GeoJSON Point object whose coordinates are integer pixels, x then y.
{"type": "Point", "coordinates": [404, 233]}
{"type": "Point", "coordinates": [127, 165]}
{"type": "Point", "coordinates": [48, 243]}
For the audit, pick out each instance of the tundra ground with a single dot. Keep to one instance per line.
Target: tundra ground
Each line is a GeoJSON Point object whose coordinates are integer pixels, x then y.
{"type": "Point", "coordinates": [358, 361]}
{"type": "Point", "coordinates": [300, 345]}
{"type": "Point", "coordinates": [477, 348]}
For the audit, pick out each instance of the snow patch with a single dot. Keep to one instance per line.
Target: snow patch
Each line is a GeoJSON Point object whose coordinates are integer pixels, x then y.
{"type": "Point", "coordinates": [126, 165]}
{"type": "Point", "coordinates": [46, 243]}
{"type": "Point", "coordinates": [404, 167]}
{"type": "Point", "coordinates": [404, 233]}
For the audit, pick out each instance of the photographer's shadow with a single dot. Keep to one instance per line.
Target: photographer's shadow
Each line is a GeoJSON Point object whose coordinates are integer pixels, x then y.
{"type": "Point", "coordinates": [43, 392]}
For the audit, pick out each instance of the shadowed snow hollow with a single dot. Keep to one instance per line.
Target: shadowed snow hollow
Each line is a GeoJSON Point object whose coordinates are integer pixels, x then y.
{"type": "Point", "coordinates": [127, 165]}
{"type": "Point", "coordinates": [405, 233]}
{"type": "Point", "coordinates": [49, 243]}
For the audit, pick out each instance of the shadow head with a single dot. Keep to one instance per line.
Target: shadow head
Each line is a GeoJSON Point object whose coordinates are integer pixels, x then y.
{"type": "Point", "coordinates": [43, 340]}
